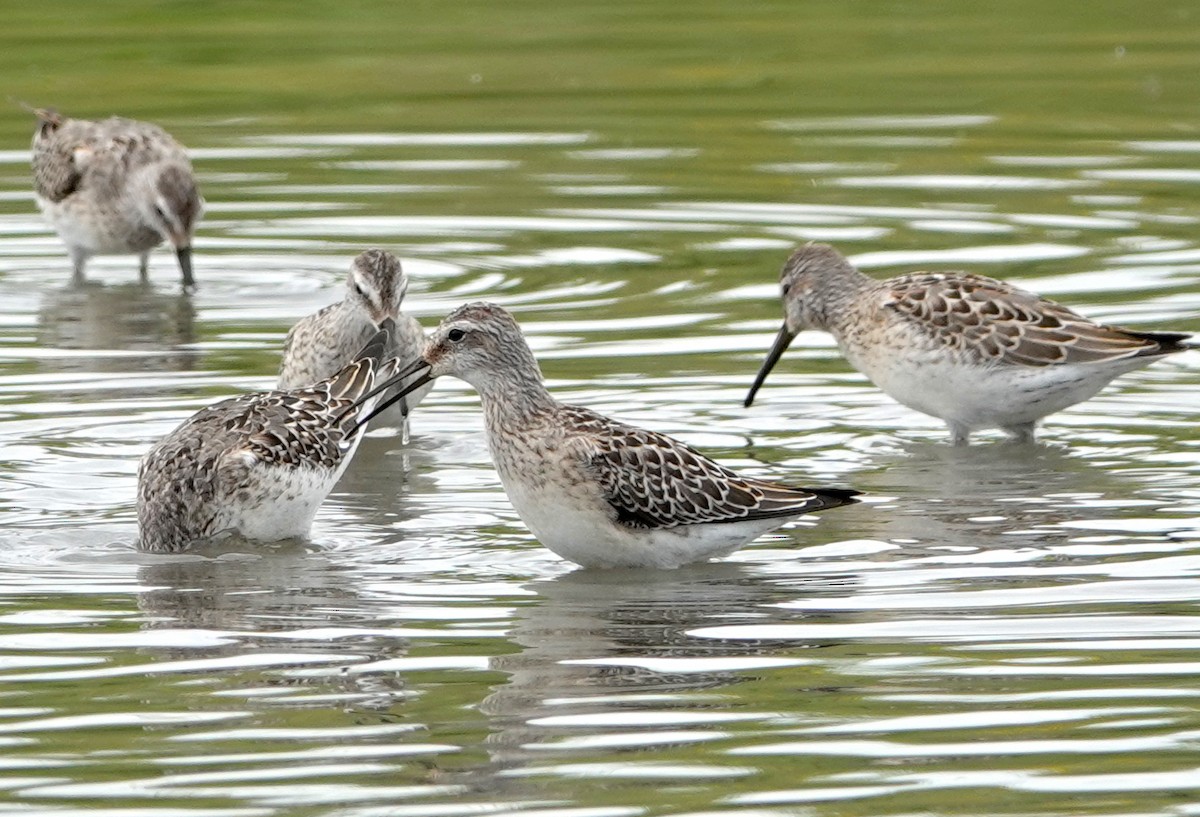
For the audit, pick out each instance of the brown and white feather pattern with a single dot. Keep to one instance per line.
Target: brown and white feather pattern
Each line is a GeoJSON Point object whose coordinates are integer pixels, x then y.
{"type": "Point", "coordinates": [984, 320]}
{"type": "Point", "coordinates": [654, 481]}
{"type": "Point", "coordinates": [315, 346]}
{"type": "Point", "coordinates": [323, 342]}
{"type": "Point", "coordinates": [114, 187]}
{"type": "Point", "coordinates": [99, 155]}
{"type": "Point", "coordinates": [227, 455]}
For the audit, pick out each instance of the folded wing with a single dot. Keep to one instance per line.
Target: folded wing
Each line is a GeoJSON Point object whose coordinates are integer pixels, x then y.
{"type": "Point", "coordinates": [654, 481]}
{"type": "Point", "coordinates": [990, 321]}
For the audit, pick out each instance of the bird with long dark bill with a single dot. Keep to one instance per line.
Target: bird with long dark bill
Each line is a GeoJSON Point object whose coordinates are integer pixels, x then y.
{"type": "Point", "coordinates": [594, 490]}
{"type": "Point", "coordinates": [973, 351]}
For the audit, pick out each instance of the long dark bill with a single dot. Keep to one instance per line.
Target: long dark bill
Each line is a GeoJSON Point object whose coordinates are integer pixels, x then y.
{"type": "Point", "coordinates": [184, 254]}
{"type": "Point", "coordinates": [782, 341]}
{"type": "Point", "coordinates": [408, 371]}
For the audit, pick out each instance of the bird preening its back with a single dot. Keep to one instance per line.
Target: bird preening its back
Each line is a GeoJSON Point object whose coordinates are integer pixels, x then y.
{"type": "Point", "coordinates": [258, 465]}
{"type": "Point", "coordinates": [115, 187]}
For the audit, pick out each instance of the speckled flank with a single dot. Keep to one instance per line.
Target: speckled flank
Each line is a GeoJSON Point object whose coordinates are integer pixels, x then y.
{"type": "Point", "coordinates": [593, 490]}
{"type": "Point", "coordinates": [320, 344]}
{"type": "Point", "coordinates": [973, 351]}
{"type": "Point", "coordinates": [259, 464]}
{"type": "Point", "coordinates": [115, 187]}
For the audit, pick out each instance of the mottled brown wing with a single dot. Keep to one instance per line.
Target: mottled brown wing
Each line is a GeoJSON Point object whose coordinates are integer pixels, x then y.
{"type": "Point", "coordinates": [990, 321]}
{"type": "Point", "coordinates": [653, 481]}
{"type": "Point", "coordinates": [128, 144]}
{"type": "Point", "coordinates": [315, 423]}
{"type": "Point", "coordinates": [185, 477]}
{"type": "Point", "coordinates": [55, 174]}
{"type": "Point", "coordinates": [79, 153]}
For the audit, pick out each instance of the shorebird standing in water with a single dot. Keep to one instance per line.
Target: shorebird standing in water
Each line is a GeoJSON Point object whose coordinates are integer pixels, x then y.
{"type": "Point", "coordinates": [115, 187]}
{"type": "Point", "coordinates": [595, 491]}
{"type": "Point", "coordinates": [258, 465]}
{"type": "Point", "coordinates": [320, 344]}
{"type": "Point", "coordinates": [972, 351]}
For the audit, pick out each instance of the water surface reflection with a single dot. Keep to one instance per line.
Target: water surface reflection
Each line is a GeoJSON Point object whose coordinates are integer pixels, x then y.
{"type": "Point", "coordinates": [1003, 629]}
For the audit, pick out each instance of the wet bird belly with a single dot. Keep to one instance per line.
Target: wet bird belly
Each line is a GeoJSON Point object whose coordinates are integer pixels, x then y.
{"type": "Point", "coordinates": [281, 506]}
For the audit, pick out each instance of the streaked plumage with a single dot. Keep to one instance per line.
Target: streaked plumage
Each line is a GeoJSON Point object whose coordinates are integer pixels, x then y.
{"type": "Point", "coordinates": [320, 344]}
{"type": "Point", "coordinates": [973, 351]}
{"type": "Point", "coordinates": [115, 187]}
{"type": "Point", "coordinates": [595, 491]}
{"type": "Point", "coordinates": [260, 464]}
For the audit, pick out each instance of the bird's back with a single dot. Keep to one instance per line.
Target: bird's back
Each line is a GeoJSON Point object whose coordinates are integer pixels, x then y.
{"type": "Point", "coordinates": [99, 156]}
{"type": "Point", "coordinates": [320, 344]}
{"type": "Point", "coordinates": [240, 455]}
{"type": "Point", "coordinates": [656, 481]}
{"type": "Point", "coordinates": [985, 321]}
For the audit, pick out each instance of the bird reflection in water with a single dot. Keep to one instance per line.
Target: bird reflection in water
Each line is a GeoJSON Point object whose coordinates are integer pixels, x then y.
{"type": "Point", "coordinates": [122, 318]}
{"type": "Point", "coordinates": [1004, 497]}
{"type": "Point", "coordinates": [277, 599]}
{"type": "Point", "coordinates": [617, 643]}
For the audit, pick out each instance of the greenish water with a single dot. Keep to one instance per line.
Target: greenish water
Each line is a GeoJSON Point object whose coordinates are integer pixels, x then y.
{"type": "Point", "coordinates": [1001, 630]}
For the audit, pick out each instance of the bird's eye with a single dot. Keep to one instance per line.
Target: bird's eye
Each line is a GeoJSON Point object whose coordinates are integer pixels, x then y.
{"type": "Point", "coordinates": [455, 335]}
{"type": "Point", "coordinates": [362, 293]}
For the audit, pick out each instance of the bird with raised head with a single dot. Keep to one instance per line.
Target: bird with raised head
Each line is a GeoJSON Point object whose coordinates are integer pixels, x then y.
{"type": "Point", "coordinates": [596, 491]}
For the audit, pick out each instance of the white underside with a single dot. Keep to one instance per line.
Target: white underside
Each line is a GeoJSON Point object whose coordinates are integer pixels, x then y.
{"type": "Point", "coordinates": [88, 236]}
{"type": "Point", "coordinates": [578, 528]}
{"type": "Point", "coordinates": [977, 397]}
{"type": "Point", "coordinates": [287, 503]}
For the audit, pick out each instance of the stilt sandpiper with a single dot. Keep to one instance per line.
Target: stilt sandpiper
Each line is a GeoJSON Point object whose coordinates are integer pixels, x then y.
{"type": "Point", "coordinates": [972, 351]}
{"type": "Point", "coordinates": [596, 491]}
{"type": "Point", "coordinates": [325, 341]}
{"type": "Point", "coordinates": [115, 187]}
{"type": "Point", "coordinates": [260, 464]}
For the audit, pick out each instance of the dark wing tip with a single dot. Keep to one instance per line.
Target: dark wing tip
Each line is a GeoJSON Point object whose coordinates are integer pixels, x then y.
{"type": "Point", "coordinates": [633, 517]}
{"type": "Point", "coordinates": [376, 346]}
{"type": "Point", "coordinates": [840, 493]}
{"type": "Point", "coordinates": [825, 498]}
{"type": "Point", "coordinates": [1165, 343]}
{"type": "Point", "coordinates": [793, 500]}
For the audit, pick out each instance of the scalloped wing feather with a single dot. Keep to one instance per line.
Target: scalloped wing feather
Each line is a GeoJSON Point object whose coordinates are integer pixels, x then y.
{"type": "Point", "coordinates": [654, 481]}
{"type": "Point", "coordinates": [316, 424]}
{"type": "Point", "coordinates": [990, 321]}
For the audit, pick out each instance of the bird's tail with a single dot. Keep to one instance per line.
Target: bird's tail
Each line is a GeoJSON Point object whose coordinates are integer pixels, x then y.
{"type": "Point", "coordinates": [834, 497]}
{"type": "Point", "coordinates": [1166, 342]}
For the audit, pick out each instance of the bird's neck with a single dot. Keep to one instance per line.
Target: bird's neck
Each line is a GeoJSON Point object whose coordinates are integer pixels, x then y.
{"type": "Point", "coordinates": [830, 308]}
{"type": "Point", "coordinates": [516, 399]}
